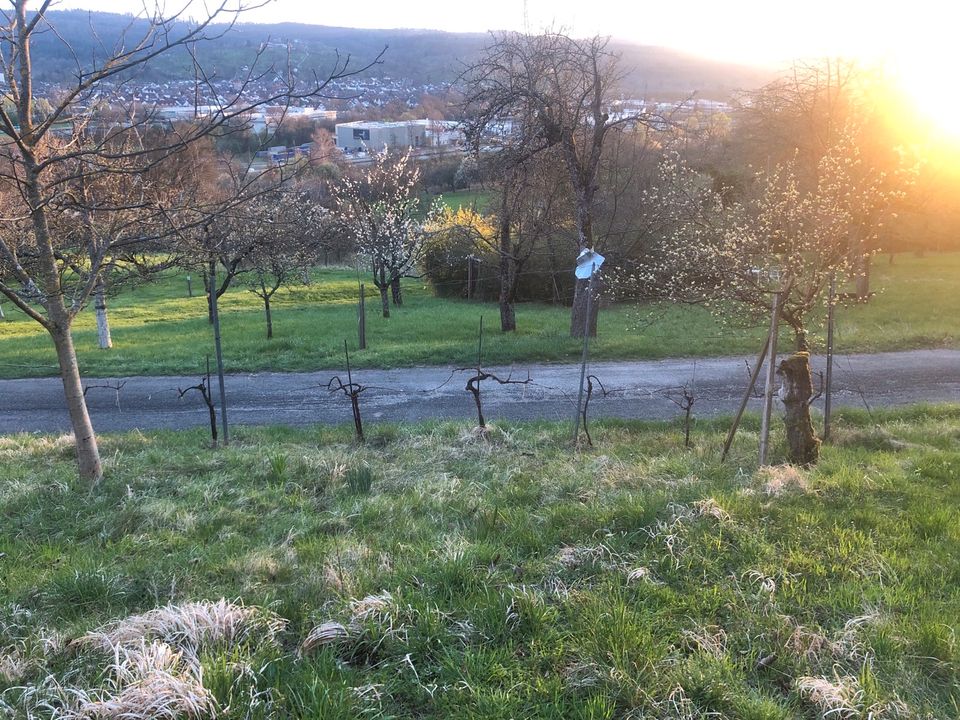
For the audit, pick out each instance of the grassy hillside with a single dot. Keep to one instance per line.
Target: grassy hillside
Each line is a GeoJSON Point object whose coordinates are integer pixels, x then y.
{"type": "Point", "coordinates": [437, 573]}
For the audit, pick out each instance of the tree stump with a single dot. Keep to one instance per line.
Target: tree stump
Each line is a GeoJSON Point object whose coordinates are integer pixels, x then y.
{"type": "Point", "coordinates": [796, 391]}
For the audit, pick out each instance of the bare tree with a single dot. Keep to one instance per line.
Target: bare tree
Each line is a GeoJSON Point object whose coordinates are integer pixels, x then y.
{"type": "Point", "coordinates": [554, 91]}
{"type": "Point", "coordinates": [38, 166]}
{"type": "Point", "coordinates": [382, 212]}
{"type": "Point", "coordinates": [530, 209]}
{"type": "Point", "coordinates": [290, 229]}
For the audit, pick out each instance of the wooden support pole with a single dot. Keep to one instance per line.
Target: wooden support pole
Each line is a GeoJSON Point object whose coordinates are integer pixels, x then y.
{"type": "Point", "coordinates": [771, 379]}
{"type": "Point", "coordinates": [746, 397]}
{"type": "Point", "coordinates": [828, 383]}
{"type": "Point", "coordinates": [219, 350]}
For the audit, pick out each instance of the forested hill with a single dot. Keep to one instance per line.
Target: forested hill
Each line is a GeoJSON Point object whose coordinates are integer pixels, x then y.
{"type": "Point", "coordinates": [421, 57]}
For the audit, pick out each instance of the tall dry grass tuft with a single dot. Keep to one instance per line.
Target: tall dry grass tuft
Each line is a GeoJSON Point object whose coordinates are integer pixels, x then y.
{"type": "Point", "coordinates": [777, 480]}
{"type": "Point", "coordinates": [708, 639]}
{"type": "Point", "coordinates": [12, 666]}
{"type": "Point", "coordinates": [327, 633]}
{"type": "Point", "coordinates": [380, 610]}
{"type": "Point", "coordinates": [837, 698]}
{"type": "Point", "coordinates": [149, 682]}
{"type": "Point", "coordinates": [191, 626]}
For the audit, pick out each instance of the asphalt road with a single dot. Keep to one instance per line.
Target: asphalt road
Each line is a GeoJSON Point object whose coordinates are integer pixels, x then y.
{"type": "Point", "coordinates": [636, 390]}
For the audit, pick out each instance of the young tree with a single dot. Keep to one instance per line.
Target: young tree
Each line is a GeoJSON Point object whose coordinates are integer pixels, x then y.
{"type": "Point", "coordinates": [382, 212]}
{"type": "Point", "coordinates": [791, 235]}
{"type": "Point", "coordinates": [38, 167]}
{"type": "Point", "coordinates": [801, 116]}
{"type": "Point", "coordinates": [532, 208]}
{"type": "Point", "coordinates": [290, 230]}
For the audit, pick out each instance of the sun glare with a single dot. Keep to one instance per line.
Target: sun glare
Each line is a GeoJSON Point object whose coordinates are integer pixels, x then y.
{"type": "Point", "coordinates": [926, 84]}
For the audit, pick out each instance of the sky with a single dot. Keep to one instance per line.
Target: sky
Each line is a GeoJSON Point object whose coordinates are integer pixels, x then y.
{"type": "Point", "coordinates": [769, 32]}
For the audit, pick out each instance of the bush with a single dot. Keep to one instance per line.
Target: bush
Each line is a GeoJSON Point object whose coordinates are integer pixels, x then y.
{"type": "Point", "coordinates": [464, 233]}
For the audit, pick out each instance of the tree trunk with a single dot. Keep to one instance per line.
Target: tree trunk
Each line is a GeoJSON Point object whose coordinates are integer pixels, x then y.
{"type": "Point", "coordinates": [266, 309]}
{"type": "Point", "coordinates": [384, 300]}
{"type": "Point", "coordinates": [209, 290]}
{"type": "Point", "coordinates": [88, 454]}
{"type": "Point", "coordinates": [508, 279]}
{"type": "Point", "coordinates": [578, 315]}
{"type": "Point", "coordinates": [103, 324]}
{"type": "Point", "coordinates": [58, 316]}
{"type": "Point", "coordinates": [396, 291]}
{"type": "Point", "coordinates": [863, 279]}
{"type": "Point", "coordinates": [508, 316]}
{"type": "Point", "coordinates": [795, 393]}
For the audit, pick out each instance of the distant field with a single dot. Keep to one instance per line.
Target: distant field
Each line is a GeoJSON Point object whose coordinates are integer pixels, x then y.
{"type": "Point", "coordinates": [478, 200]}
{"type": "Point", "coordinates": [438, 573]}
{"type": "Point", "coordinates": [158, 330]}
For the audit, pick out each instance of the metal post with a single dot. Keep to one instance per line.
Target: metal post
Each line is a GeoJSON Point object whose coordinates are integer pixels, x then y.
{"type": "Point", "coordinates": [219, 349]}
{"type": "Point", "coordinates": [586, 350]}
{"type": "Point", "coordinates": [771, 379]}
{"type": "Point", "coordinates": [828, 398]}
{"type": "Point", "coordinates": [189, 287]}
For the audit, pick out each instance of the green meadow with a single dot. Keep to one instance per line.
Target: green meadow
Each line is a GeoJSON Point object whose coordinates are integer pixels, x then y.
{"type": "Point", "coordinates": [438, 572]}
{"type": "Point", "coordinates": [157, 329]}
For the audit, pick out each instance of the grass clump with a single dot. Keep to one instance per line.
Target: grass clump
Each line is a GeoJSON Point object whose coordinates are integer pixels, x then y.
{"type": "Point", "coordinates": [191, 625]}
{"type": "Point", "coordinates": [487, 577]}
{"type": "Point", "coordinates": [359, 479]}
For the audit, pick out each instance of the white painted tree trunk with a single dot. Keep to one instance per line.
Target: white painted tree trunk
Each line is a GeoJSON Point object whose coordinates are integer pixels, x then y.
{"type": "Point", "coordinates": [103, 324]}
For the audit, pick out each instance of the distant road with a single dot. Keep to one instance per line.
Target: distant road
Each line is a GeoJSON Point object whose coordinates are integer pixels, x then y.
{"type": "Point", "coordinates": [637, 390]}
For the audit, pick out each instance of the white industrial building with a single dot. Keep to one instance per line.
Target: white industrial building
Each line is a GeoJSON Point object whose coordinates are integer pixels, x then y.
{"type": "Point", "coordinates": [363, 135]}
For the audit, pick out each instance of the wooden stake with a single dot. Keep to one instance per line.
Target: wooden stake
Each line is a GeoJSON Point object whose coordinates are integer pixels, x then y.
{"type": "Point", "coordinates": [746, 398]}
{"type": "Point", "coordinates": [771, 379]}
{"type": "Point", "coordinates": [211, 409]}
{"type": "Point", "coordinates": [828, 383]}
{"type": "Point", "coordinates": [354, 397]}
{"type": "Point", "coordinates": [362, 317]}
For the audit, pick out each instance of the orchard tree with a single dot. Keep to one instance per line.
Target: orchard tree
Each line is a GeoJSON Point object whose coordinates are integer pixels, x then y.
{"type": "Point", "coordinates": [381, 210]}
{"type": "Point", "coordinates": [109, 212]}
{"type": "Point", "coordinates": [803, 115]}
{"type": "Point", "coordinates": [792, 235]}
{"type": "Point", "coordinates": [531, 208]}
{"type": "Point", "coordinates": [555, 92]}
{"type": "Point", "coordinates": [290, 232]}
{"type": "Point", "coordinates": [38, 168]}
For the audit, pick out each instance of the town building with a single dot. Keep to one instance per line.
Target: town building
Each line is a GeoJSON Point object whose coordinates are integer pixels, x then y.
{"type": "Point", "coordinates": [363, 135]}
